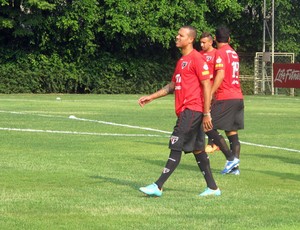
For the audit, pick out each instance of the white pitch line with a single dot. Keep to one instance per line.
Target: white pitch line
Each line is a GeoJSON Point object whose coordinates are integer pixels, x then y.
{"type": "Point", "coordinates": [128, 126]}
{"type": "Point", "coordinates": [79, 133]}
{"type": "Point", "coordinates": [157, 130]}
{"type": "Point", "coordinates": [270, 147]}
{"type": "Point", "coordinates": [122, 125]}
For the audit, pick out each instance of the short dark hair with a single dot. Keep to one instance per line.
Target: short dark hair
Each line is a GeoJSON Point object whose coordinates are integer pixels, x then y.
{"type": "Point", "coordinates": [222, 34]}
{"type": "Point", "coordinates": [193, 31]}
{"type": "Point", "coordinates": [206, 35]}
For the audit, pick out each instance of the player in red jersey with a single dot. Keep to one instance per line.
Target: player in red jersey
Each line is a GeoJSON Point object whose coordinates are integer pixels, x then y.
{"type": "Point", "coordinates": [209, 52]}
{"type": "Point", "coordinates": [192, 87]}
{"type": "Point", "coordinates": [228, 105]}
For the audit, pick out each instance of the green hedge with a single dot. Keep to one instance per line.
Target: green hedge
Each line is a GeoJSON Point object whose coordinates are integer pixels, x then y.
{"type": "Point", "coordinates": [39, 74]}
{"type": "Point", "coordinates": [103, 75]}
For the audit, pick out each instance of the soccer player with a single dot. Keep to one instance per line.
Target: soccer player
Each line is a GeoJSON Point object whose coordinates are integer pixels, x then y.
{"type": "Point", "coordinates": [192, 87]}
{"type": "Point", "coordinates": [209, 52]}
{"type": "Point", "coordinates": [227, 109]}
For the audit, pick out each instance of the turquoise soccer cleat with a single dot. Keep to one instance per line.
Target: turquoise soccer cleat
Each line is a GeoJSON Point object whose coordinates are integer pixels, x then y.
{"type": "Point", "coordinates": [151, 190]}
{"type": "Point", "coordinates": [211, 192]}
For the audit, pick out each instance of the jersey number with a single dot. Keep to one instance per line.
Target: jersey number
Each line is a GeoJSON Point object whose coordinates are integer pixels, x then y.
{"type": "Point", "coordinates": [235, 72]}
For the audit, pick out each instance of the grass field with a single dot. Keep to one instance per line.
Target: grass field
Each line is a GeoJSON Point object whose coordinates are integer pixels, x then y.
{"type": "Point", "coordinates": [84, 173]}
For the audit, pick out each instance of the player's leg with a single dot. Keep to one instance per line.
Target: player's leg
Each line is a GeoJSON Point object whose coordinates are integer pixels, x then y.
{"type": "Point", "coordinates": [237, 111]}
{"type": "Point", "coordinates": [211, 147]}
{"type": "Point", "coordinates": [171, 165]}
{"type": "Point", "coordinates": [235, 147]}
{"type": "Point", "coordinates": [223, 116]}
{"type": "Point", "coordinates": [203, 163]}
{"type": "Point", "coordinates": [234, 142]}
{"type": "Point", "coordinates": [202, 160]}
{"type": "Point", "coordinates": [219, 140]}
{"type": "Point", "coordinates": [219, 120]}
{"type": "Point", "coordinates": [155, 189]}
{"type": "Point", "coordinates": [176, 145]}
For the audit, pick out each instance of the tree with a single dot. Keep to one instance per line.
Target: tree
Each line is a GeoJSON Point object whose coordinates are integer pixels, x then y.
{"type": "Point", "coordinates": [70, 29]}
{"type": "Point", "coordinates": [127, 36]}
{"type": "Point", "coordinates": [147, 25]}
{"type": "Point", "coordinates": [248, 30]}
{"type": "Point", "coordinates": [287, 26]}
{"type": "Point", "coordinates": [18, 20]}
{"type": "Point", "coordinates": [63, 26]}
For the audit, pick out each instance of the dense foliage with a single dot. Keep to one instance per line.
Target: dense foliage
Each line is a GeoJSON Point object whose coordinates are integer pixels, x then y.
{"type": "Point", "coordinates": [119, 46]}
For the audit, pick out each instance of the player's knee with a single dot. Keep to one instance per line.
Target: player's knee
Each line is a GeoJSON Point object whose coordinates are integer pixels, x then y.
{"type": "Point", "coordinates": [230, 133]}
{"type": "Point", "coordinates": [196, 152]}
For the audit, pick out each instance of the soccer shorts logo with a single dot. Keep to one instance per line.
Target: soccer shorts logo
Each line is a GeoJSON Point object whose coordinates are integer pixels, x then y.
{"type": "Point", "coordinates": [174, 139]}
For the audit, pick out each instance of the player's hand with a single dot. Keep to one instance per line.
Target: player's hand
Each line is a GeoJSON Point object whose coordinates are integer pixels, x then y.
{"type": "Point", "coordinates": [207, 123]}
{"type": "Point", "coordinates": [144, 100]}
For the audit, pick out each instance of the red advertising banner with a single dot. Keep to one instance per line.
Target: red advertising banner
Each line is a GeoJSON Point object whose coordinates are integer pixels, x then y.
{"type": "Point", "coordinates": [286, 75]}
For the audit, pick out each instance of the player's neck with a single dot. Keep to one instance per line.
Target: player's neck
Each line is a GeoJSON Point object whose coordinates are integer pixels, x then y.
{"type": "Point", "coordinates": [186, 50]}
{"type": "Point", "coordinates": [210, 49]}
{"type": "Point", "coordinates": [221, 44]}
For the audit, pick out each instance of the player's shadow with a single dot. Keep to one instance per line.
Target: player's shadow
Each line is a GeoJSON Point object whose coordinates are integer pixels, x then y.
{"type": "Point", "coordinates": [165, 143]}
{"type": "Point", "coordinates": [162, 163]}
{"type": "Point", "coordinates": [117, 181]}
{"type": "Point", "coordinates": [181, 166]}
{"type": "Point", "coordinates": [283, 176]}
{"type": "Point", "coordinates": [285, 160]}
{"type": "Point", "coordinates": [282, 158]}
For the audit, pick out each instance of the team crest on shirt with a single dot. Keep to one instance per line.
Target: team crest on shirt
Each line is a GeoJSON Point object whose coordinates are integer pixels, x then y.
{"type": "Point", "coordinates": [208, 58]}
{"type": "Point", "coordinates": [184, 64]}
{"type": "Point", "coordinates": [174, 139]}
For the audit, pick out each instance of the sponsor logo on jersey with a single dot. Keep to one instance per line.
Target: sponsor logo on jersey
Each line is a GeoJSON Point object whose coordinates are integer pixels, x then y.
{"type": "Point", "coordinates": [219, 63]}
{"type": "Point", "coordinates": [205, 72]}
{"type": "Point", "coordinates": [174, 139]}
{"type": "Point", "coordinates": [205, 66]}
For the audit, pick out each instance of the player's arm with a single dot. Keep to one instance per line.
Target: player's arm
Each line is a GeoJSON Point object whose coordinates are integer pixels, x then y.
{"type": "Point", "coordinates": [167, 89]}
{"type": "Point", "coordinates": [207, 123]}
{"type": "Point", "coordinates": [218, 80]}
